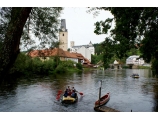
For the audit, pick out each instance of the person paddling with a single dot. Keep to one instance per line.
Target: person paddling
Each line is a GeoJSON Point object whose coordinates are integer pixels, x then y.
{"type": "Point", "coordinates": [68, 90]}
{"type": "Point", "coordinates": [74, 94]}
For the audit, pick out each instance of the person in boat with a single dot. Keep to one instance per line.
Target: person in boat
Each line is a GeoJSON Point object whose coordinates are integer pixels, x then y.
{"type": "Point", "coordinates": [74, 94]}
{"type": "Point", "coordinates": [68, 90]}
{"type": "Point", "coordinates": [66, 93]}
{"type": "Point", "coordinates": [133, 74]}
{"type": "Point", "coordinates": [73, 89]}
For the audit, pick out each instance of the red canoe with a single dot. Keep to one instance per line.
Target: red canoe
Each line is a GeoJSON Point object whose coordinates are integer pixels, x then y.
{"type": "Point", "coordinates": [103, 100]}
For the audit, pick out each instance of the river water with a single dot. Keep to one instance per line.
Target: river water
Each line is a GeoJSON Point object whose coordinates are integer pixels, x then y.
{"type": "Point", "coordinates": [38, 94]}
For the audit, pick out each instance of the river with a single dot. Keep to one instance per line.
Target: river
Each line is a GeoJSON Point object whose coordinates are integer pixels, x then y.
{"type": "Point", "coordinates": [38, 94]}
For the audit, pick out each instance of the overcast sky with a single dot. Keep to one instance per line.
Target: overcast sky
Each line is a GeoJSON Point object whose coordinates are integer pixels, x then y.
{"type": "Point", "coordinates": [80, 25]}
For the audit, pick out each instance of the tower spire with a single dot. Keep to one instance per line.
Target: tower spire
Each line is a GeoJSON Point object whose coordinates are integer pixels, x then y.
{"type": "Point", "coordinates": [63, 24]}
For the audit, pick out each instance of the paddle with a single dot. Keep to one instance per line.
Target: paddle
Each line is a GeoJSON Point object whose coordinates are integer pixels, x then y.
{"type": "Point", "coordinates": [58, 95]}
{"type": "Point", "coordinates": [79, 93]}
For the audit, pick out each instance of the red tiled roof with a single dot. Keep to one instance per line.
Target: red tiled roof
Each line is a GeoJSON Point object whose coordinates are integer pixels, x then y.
{"type": "Point", "coordinates": [52, 52]}
{"type": "Point", "coordinates": [86, 61]}
{"type": "Point", "coordinates": [57, 51]}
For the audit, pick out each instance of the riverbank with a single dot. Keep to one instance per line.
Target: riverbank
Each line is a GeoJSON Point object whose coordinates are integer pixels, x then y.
{"type": "Point", "coordinates": [137, 67]}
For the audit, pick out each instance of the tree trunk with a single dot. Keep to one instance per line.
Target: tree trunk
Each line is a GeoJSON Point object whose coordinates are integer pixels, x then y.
{"type": "Point", "coordinates": [10, 48]}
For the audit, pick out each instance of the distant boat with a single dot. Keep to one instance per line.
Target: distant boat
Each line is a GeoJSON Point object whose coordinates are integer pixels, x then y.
{"type": "Point", "coordinates": [135, 76]}
{"type": "Point", "coordinates": [103, 100]}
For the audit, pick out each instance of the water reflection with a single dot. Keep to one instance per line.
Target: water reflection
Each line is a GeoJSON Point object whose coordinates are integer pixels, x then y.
{"type": "Point", "coordinates": [39, 93]}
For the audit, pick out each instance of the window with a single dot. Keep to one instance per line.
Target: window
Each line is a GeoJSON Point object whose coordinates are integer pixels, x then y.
{"type": "Point", "coordinates": [63, 34]}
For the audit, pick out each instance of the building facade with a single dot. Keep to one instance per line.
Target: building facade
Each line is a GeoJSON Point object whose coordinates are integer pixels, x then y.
{"type": "Point", "coordinates": [135, 60]}
{"type": "Point", "coordinates": [85, 50]}
{"type": "Point", "coordinates": [63, 55]}
{"type": "Point", "coordinates": [74, 48]}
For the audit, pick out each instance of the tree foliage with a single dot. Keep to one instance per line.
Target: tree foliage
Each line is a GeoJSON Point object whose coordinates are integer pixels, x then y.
{"type": "Point", "coordinates": [133, 27]}
{"type": "Point", "coordinates": [20, 26]}
{"type": "Point", "coordinates": [43, 24]}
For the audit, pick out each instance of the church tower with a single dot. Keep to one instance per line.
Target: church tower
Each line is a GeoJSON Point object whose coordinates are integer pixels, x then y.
{"type": "Point", "coordinates": [63, 36]}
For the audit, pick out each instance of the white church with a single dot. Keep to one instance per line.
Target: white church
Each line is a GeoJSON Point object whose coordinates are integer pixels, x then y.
{"type": "Point", "coordinates": [85, 50]}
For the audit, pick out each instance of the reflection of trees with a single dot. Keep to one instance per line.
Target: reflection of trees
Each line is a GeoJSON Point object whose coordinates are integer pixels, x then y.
{"type": "Point", "coordinates": [151, 86]}
{"type": "Point", "coordinates": [8, 87]}
{"type": "Point", "coordinates": [60, 82]}
{"type": "Point", "coordinates": [155, 88]}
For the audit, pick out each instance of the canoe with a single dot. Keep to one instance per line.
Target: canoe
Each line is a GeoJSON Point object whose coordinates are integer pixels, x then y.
{"type": "Point", "coordinates": [103, 100]}
{"type": "Point", "coordinates": [69, 99]}
{"type": "Point", "coordinates": [135, 76]}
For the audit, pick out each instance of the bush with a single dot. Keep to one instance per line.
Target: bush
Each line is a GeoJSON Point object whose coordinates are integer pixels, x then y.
{"type": "Point", "coordinates": [79, 66]}
{"type": "Point", "coordinates": [22, 64]}
{"type": "Point", "coordinates": [26, 65]}
{"type": "Point", "coordinates": [37, 66]}
{"type": "Point", "coordinates": [60, 68]}
{"type": "Point", "coordinates": [68, 64]}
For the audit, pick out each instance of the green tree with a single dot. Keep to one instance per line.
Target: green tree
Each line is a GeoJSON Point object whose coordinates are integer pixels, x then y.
{"type": "Point", "coordinates": [17, 25]}
{"type": "Point", "coordinates": [133, 26]}
{"type": "Point", "coordinates": [98, 48]}
{"type": "Point", "coordinates": [108, 52]}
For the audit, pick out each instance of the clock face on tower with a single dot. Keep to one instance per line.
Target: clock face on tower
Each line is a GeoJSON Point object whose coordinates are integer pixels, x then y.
{"type": "Point", "coordinates": [63, 29]}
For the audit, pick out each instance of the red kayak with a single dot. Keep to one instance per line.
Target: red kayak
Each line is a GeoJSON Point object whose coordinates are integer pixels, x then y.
{"type": "Point", "coordinates": [103, 100]}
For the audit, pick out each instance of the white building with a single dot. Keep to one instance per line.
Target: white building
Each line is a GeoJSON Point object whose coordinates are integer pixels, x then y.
{"type": "Point", "coordinates": [134, 59]}
{"type": "Point", "coordinates": [85, 50]}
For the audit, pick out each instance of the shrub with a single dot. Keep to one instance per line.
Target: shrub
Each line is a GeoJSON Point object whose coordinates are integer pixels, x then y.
{"type": "Point", "coordinates": [21, 64]}
{"type": "Point", "coordinates": [68, 64]}
{"type": "Point", "coordinates": [79, 66]}
{"type": "Point", "coordinates": [60, 68]}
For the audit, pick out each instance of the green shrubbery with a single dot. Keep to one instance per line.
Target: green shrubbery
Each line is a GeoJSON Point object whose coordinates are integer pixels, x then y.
{"type": "Point", "coordinates": [23, 64]}
{"type": "Point", "coordinates": [79, 66]}
{"type": "Point", "coordinates": [26, 66]}
{"type": "Point", "coordinates": [60, 69]}
{"type": "Point", "coordinates": [68, 64]}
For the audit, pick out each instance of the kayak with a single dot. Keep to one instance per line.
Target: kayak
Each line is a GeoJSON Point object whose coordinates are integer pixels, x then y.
{"type": "Point", "coordinates": [103, 100]}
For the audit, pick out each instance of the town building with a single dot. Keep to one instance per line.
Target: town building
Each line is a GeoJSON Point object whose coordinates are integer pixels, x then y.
{"type": "Point", "coordinates": [63, 55]}
{"type": "Point", "coordinates": [85, 50]}
{"type": "Point", "coordinates": [134, 60]}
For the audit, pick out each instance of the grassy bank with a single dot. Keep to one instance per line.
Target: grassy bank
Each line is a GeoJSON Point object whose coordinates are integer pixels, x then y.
{"type": "Point", "coordinates": [144, 67]}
